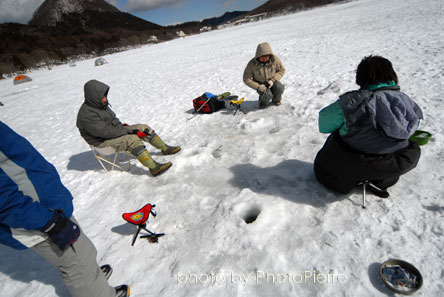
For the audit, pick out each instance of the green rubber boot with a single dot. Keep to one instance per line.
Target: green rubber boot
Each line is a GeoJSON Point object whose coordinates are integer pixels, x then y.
{"type": "Point", "coordinates": [154, 167]}
{"type": "Point", "coordinates": [158, 143]}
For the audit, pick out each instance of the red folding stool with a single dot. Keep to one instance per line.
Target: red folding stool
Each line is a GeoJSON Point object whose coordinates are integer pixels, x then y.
{"type": "Point", "coordinates": [139, 218]}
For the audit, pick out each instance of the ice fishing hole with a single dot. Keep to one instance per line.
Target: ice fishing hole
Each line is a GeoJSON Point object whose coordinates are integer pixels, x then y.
{"type": "Point", "coordinates": [251, 214]}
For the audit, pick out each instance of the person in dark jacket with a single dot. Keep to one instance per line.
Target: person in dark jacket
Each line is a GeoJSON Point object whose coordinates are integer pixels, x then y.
{"type": "Point", "coordinates": [370, 130]}
{"type": "Point", "coordinates": [263, 74]}
{"type": "Point", "coordinates": [100, 127]}
{"type": "Point", "coordinates": [36, 211]}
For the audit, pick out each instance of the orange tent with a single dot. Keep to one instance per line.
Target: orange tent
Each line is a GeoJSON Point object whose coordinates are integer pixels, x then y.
{"type": "Point", "coordinates": [21, 79]}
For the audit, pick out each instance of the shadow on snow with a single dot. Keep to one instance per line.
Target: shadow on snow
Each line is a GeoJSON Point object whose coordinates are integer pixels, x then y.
{"type": "Point", "coordinates": [293, 180]}
{"type": "Point", "coordinates": [86, 161]}
{"type": "Point", "coordinates": [26, 266]}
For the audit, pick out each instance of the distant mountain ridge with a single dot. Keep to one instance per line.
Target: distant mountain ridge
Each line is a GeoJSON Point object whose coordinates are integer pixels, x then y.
{"type": "Point", "coordinates": [216, 21]}
{"type": "Point", "coordinates": [279, 6]}
{"type": "Point", "coordinates": [61, 30]}
{"type": "Point", "coordinates": [96, 14]}
{"type": "Point", "coordinates": [51, 12]}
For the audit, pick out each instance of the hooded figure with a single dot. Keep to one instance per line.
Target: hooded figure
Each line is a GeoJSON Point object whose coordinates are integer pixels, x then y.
{"type": "Point", "coordinates": [95, 120]}
{"type": "Point", "coordinates": [263, 74]}
{"type": "Point", "coordinates": [370, 130]}
{"type": "Point", "coordinates": [100, 127]}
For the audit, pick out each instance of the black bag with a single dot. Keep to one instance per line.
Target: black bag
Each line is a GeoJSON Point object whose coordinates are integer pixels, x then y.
{"type": "Point", "coordinates": [207, 103]}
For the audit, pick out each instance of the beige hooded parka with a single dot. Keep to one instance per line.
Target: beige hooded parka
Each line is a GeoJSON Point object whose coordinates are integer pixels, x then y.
{"type": "Point", "coordinates": [257, 73]}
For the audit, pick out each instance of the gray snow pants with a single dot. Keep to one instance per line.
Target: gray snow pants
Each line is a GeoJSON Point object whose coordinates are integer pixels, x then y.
{"type": "Point", "coordinates": [273, 94]}
{"type": "Point", "coordinates": [78, 266]}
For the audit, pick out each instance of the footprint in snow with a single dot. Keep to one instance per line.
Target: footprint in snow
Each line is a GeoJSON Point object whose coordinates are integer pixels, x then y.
{"type": "Point", "coordinates": [333, 87]}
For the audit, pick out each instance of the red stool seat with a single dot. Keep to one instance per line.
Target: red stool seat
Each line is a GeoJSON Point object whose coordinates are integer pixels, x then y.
{"type": "Point", "coordinates": [139, 218]}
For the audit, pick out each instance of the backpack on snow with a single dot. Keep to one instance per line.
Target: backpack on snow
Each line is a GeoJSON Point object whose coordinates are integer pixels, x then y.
{"type": "Point", "coordinates": [207, 103]}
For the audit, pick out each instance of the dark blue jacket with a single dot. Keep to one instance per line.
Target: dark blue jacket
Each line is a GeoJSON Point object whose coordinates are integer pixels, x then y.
{"type": "Point", "coordinates": [30, 188]}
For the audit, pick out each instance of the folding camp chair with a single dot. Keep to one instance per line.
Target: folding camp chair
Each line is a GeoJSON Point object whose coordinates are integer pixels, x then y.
{"type": "Point", "coordinates": [139, 218]}
{"type": "Point", "coordinates": [109, 155]}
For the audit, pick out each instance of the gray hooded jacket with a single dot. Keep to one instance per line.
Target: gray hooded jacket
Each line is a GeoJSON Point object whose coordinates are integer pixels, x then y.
{"type": "Point", "coordinates": [380, 121]}
{"type": "Point", "coordinates": [97, 122]}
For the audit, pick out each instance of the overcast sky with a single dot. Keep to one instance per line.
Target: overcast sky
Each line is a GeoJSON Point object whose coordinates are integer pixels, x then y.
{"type": "Point", "coordinates": [162, 12]}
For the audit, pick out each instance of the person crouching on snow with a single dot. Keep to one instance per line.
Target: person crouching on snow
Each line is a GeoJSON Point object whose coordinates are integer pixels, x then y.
{"type": "Point", "coordinates": [263, 74]}
{"type": "Point", "coordinates": [100, 127]}
{"type": "Point", "coordinates": [370, 130]}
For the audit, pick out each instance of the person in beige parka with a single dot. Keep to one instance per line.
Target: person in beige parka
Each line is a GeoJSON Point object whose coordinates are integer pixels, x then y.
{"type": "Point", "coordinates": [263, 74]}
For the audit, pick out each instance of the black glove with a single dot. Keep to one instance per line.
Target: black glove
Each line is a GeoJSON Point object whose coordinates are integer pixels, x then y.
{"type": "Point", "coordinates": [62, 230]}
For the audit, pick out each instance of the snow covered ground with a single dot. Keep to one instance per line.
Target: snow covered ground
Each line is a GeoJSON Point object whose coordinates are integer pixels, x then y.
{"type": "Point", "coordinates": [312, 241]}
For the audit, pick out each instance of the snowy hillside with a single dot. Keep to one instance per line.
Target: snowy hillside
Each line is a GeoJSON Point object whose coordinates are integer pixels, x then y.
{"type": "Point", "coordinates": [51, 12]}
{"type": "Point", "coordinates": [233, 167]}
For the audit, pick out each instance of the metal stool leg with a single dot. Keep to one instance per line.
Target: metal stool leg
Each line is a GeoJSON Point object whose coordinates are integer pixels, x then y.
{"type": "Point", "coordinates": [364, 188]}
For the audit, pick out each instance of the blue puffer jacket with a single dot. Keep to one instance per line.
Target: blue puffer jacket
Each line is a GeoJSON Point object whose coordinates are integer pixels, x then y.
{"type": "Point", "coordinates": [378, 120]}
{"type": "Point", "coordinates": [30, 188]}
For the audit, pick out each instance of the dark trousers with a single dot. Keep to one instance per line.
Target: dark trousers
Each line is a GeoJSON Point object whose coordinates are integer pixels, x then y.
{"type": "Point", "coordinates": [273, 94]}
{"type": "Point", "coordinates": [341, 168]}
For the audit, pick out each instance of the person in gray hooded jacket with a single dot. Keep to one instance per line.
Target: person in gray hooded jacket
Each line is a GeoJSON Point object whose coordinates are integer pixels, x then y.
{"type": "Point", "coordinates": [100, 127]}
{"type": "Point", "coordinates": [370, 130]}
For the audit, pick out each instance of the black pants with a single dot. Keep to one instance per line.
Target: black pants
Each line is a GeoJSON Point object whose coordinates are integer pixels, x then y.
{"type": "Point", "coordinates": [341, 168]}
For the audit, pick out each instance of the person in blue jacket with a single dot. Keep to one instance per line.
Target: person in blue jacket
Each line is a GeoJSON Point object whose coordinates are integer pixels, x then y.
{"type": "Point", "coordinates": [36, 211]}
{"type": "Point", "coordinates": [369, 132]}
